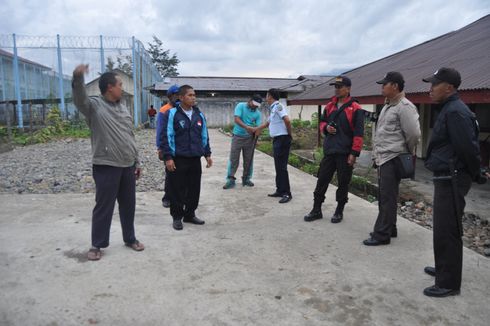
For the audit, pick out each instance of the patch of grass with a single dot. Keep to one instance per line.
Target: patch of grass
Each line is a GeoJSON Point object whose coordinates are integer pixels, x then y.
{"type": "Point", "coordinates": [310, 168]}
{"type": "Point", "coordinates": [56, 128]}
{"type": "Point", "coordinates": [294, 160]}
{"type": "Point", "coordinates": [228, 128]}
{"type": "Point", "coordinates": [265, 147]}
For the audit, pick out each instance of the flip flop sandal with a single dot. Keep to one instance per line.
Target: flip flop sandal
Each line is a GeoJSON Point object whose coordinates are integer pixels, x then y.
{"type": "Point", "coordinates": [136, 246]}
{"type": "Point", "coordinates": [94, 254]}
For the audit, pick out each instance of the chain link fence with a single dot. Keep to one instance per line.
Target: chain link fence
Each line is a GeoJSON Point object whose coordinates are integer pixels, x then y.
{"type": "Point", "coordinates": [35, 75]}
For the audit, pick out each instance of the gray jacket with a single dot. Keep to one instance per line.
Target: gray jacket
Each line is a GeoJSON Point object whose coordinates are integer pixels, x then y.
{"type": "Point", "coordinates": [397, 130]}
{"type": "Point", "coordinates": [111, 125]}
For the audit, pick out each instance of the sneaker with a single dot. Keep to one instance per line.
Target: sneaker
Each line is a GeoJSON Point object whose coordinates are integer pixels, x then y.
{"type": "Point", "coordinates": [248, 183]}
{"type": "Point", "coordinates": [229, 184]}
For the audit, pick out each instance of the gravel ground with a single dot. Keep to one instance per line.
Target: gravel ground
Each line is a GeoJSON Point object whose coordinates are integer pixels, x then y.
{"type": "Point", "coordinates": [65, 166]}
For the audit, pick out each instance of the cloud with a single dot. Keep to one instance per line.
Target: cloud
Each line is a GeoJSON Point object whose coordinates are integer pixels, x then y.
{"type": "Point", "coordinates": [254, 37]}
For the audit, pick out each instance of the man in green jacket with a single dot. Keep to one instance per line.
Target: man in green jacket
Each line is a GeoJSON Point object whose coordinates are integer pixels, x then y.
{"type": "Point", "coordinates": [114, 157]}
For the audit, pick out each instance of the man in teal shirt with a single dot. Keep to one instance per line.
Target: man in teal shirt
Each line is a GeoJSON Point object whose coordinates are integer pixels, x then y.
{"type": "Point", "coordinates": [247, 119]}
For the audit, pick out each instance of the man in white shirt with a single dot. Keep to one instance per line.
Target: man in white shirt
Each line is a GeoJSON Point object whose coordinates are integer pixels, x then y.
{"type": "Point", "coordinates": [280, 132]}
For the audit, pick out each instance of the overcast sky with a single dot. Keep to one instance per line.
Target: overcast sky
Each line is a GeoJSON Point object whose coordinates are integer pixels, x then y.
{"type": "Point", "coordinates": [263, 38]}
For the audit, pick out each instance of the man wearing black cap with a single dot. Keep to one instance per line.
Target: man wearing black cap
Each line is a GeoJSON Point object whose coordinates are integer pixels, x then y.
{"type": "Point", "coordinates": [397, 132]}
{"type": "Point", "coordinates": [342, 123]}
{"type": "Point", "coordinates": [247, 119]}
{"type": "Point", "coordinates": [173, 99]}
{"type": "Point", "coordinates": [453, 155]}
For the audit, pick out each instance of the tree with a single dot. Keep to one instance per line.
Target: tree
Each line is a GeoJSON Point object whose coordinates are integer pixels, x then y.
{"type": "Point", "coordinates": [165, 64]}
{"type": "Point", "coordinates": [125, 63]}
{"type": "Point", "coordinates": [110, 64]}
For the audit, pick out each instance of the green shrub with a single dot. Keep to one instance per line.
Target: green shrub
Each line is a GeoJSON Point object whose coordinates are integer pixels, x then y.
{"type": "Point", "coordinates": [359, 182]}
{"type": "Point", "coordinates": [318, 155]}
{"type": "Point", "coordinates": [368, 136]}
{"type": "Point", "coordinates": [314, 120]}
{"type": "Point", "coordinates": [55, 128]}
{"type": "Point", "coordinates": [264, 135]}
{"type": "Point", "coordinates": [295, 123]}
{"type": "Point", "coordinates": [310, 168]}
{"type": "Point", "coordinates": [294, 160]}
{"type": "Point", "coordinates": [265, 147]}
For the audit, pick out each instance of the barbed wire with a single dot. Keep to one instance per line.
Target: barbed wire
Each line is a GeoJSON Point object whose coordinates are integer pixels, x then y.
{"type": "Point", "coordinates": [67, 42]}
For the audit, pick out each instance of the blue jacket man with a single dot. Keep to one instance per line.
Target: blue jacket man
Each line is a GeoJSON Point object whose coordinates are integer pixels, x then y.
{"type": "Point", "coordinates": [184, 140]}
{"type": "Point", "coordinates": [173, 95]}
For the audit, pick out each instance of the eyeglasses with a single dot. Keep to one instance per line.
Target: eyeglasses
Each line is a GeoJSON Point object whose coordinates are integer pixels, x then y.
{"type": "Point", "coordinates": [338, 86]}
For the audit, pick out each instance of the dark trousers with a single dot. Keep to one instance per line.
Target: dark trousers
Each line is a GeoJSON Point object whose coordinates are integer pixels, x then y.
{"type": "Point", "coordinates": [111, 184]}
{"type": "Point", "coordinates": [165, 186]}
{"type": "Point", "coordinates": [281, 146]}
{"type": "Point", "coordinates": [184, 187]}
{"type": "Point", "coordinates": [328, 166]}
{"type": "Point", "coordinates": [448, 246]}
{"type": "Point", "coordinates": [388, 183]}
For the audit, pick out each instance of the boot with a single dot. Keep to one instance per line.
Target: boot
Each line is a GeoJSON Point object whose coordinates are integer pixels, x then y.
{"type": "Point", "coordinates": [339, 213]}
{"type": "Point", "coordinates": [315, 214]}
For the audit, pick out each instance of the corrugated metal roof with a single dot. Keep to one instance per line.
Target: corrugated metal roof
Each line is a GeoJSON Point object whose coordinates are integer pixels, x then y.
{"type": "Point", "coordinates": [467, 50]}
{"type": "Point", "coordinates": [233, 84]}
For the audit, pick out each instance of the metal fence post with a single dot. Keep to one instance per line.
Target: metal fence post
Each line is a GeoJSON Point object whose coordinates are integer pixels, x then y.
{"type": "Point", "coordinates": [60, 78]}
{"type": "Point", "coordinates": [26, 88]}
{"type": "Point", "coordinates": [17, 85]}
{"type": "Point", "coordinates": [135, 97]}
{"type": "Point", "coordinates": [102, 59]}
{"type": "Point", "coordinates": [2, 73]}
{"type": "Point", "coordinates": [144, 100]}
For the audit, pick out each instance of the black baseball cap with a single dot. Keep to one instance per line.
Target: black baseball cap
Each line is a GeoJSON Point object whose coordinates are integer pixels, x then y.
{"type": "Point", "coordinates": [448, 75]}
{"type": "Point", "coordinates": [392, 77]}
{"type": "Point", "coordinates": [342, 81]}
{"type": "Point", "coordinates": [256, 99]}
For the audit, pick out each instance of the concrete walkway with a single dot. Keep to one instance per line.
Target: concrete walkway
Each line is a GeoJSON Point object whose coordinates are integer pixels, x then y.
{"type": "Point", "coordinates": [254, 262]}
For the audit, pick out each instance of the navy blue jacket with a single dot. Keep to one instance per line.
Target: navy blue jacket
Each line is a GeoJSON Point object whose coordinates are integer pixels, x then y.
{"type": "Point", "coordinates": [454, 136]}
{"type": "Point", "coordinates": [183, 137]}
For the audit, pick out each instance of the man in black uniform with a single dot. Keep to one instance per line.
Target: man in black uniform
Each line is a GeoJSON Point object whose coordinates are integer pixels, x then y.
{"type": "Point", "coordinates": [453, 157]}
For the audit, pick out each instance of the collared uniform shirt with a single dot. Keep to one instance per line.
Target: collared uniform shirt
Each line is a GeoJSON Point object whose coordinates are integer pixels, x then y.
{"type": "Point", "coordinates": [277, 127]}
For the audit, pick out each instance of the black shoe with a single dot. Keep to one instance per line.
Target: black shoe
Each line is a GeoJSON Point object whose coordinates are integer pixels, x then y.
{"type": "Point", "coordinates": [276, 194]}
{"type": "Point", "coordinates": [394, 233]}
{"type": "Point", "coordinates": [177, 224]}
{"type": "Point", "coordinates": [373, 242]}
{"type": "Point", "coordinates": [435, 291]}
{"type": "Point", "coordinates": [285, 199]}
{"type": "Point", "coordinates": [166, 203]}
{"type": "Point", "coordinates": [430, 270]}
{"type": "Point", "coordinates": [193, 220]}
{"type": "Point", "coordinates": [313, 215]}
{"type": "Point", "coordinates": [337, 218]}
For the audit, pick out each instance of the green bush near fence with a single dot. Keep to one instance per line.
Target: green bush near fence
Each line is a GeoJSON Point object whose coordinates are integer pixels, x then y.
{"type": "Point", "coordinates": [55, 128]}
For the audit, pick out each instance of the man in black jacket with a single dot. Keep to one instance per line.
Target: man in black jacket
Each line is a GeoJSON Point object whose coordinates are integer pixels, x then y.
{"type": "Point", "coordinates": [342, 123]}
{"type": "Point", "coordinates": [453, 156]}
